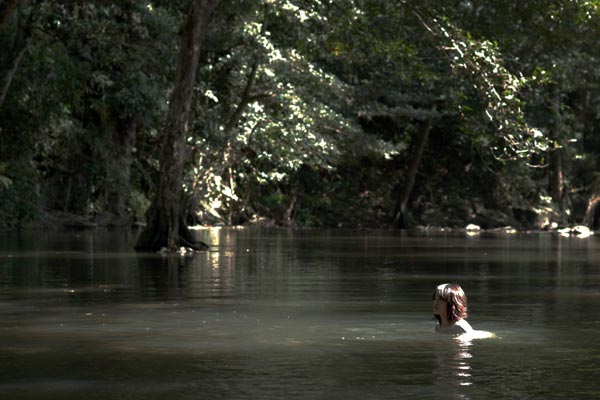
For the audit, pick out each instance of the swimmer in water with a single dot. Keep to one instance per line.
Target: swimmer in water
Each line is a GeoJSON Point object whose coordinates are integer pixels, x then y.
{"type": "Point", "coordinates": [450, 309]}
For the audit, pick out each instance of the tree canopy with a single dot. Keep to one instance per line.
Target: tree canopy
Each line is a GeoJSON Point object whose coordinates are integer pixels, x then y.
{"type": "Point", "coordinates": [303, 112]}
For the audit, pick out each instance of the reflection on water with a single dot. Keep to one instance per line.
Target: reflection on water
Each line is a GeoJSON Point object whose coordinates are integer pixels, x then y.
{"type": "Point", "coordinates": [463, 368]}
{"type": "Point", "coordinates": [296, 314]}
{"type": "Point", "coordinates": [453, 370]}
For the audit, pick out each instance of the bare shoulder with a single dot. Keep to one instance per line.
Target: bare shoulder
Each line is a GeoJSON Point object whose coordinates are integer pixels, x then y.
{"type": "Point", "coordinates": [458, 328]}
{"type": "Point", "coordinates": [464, 326]}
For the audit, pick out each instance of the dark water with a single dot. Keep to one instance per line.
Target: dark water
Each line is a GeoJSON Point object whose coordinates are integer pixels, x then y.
{"type": "Point", "coordinates": [304, 314]}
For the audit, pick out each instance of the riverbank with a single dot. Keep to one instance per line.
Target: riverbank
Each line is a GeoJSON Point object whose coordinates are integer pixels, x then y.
{"type": "Point", "coordinates": [63, 221]}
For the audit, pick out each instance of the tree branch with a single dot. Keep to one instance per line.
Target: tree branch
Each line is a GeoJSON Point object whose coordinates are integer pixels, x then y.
{"type": "Point", "coordinates": [244, 100]}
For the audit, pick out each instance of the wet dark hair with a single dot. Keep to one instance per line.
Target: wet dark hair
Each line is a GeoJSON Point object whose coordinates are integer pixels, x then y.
{"type": "Point", "coordinates": [456, 300]}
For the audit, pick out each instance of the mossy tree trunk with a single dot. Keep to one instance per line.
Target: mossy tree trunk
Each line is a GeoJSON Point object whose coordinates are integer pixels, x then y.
{"type": "Point", "coordinates": [166, 226]}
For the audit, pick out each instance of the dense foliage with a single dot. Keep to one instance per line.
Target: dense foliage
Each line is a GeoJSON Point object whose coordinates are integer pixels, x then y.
{"type": "Point", "coordinates": [305, 112]}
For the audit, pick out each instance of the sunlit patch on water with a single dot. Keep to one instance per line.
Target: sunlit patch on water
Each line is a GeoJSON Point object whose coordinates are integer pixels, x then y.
{"type": "Point", "coordinates": [476, 335]}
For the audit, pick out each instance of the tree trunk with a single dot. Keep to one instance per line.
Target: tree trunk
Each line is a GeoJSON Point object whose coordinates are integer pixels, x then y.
{"type": "Point", "coordinates": [287, 215]}
{"type": "Point", "coordinates": [229, 158]}
{"type": "Point", "coordinates": [9, 63]}
{"type": "Point", "coordinates": [400, 217]}
{"type": "Point", "coordinates": [555, 172]}
{"type": "Point", "coordinates": [591, 218]}
{"type": "Point", "coordinates": [122, 135]}
{"type": "Point", "coordinates": [166, 226]}
{"type": "Point", "coordinates": [6, 9]}
{"type": "Point", "coordinates": [555, 176]}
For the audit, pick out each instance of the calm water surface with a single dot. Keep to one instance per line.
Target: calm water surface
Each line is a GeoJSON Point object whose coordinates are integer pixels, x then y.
{"type": "Point", "coordinates": [297, 314]}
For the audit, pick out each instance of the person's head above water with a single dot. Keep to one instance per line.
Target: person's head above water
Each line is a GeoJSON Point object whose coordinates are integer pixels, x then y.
{"type": "Point", "coordinates": [449, 303]}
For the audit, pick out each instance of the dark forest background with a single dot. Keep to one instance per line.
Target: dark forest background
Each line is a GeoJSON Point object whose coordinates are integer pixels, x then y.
{"type": "Point", "coordinates": [353, 113]}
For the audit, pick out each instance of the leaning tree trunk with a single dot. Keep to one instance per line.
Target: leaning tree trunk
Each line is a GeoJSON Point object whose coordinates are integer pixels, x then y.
{"type": "Point", "coordinates": [590, 220]}
{"type": "Point", "coordinates": [400, 217]}
{"type": "Point", "coordinates": [166, 226]}
{"type": "Point", "coordinates": [9, 62]}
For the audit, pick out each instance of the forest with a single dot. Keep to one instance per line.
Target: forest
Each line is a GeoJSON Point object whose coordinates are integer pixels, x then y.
{"type": "Point", "coordinates": [299, 113]}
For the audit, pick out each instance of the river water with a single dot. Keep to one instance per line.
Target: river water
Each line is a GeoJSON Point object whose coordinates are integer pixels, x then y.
{"type": "Point", "coordinates": [297, 314]}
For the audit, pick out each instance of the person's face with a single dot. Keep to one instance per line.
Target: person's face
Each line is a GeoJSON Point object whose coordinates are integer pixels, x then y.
{"type": "Point", "coordinates": [440, 306]}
